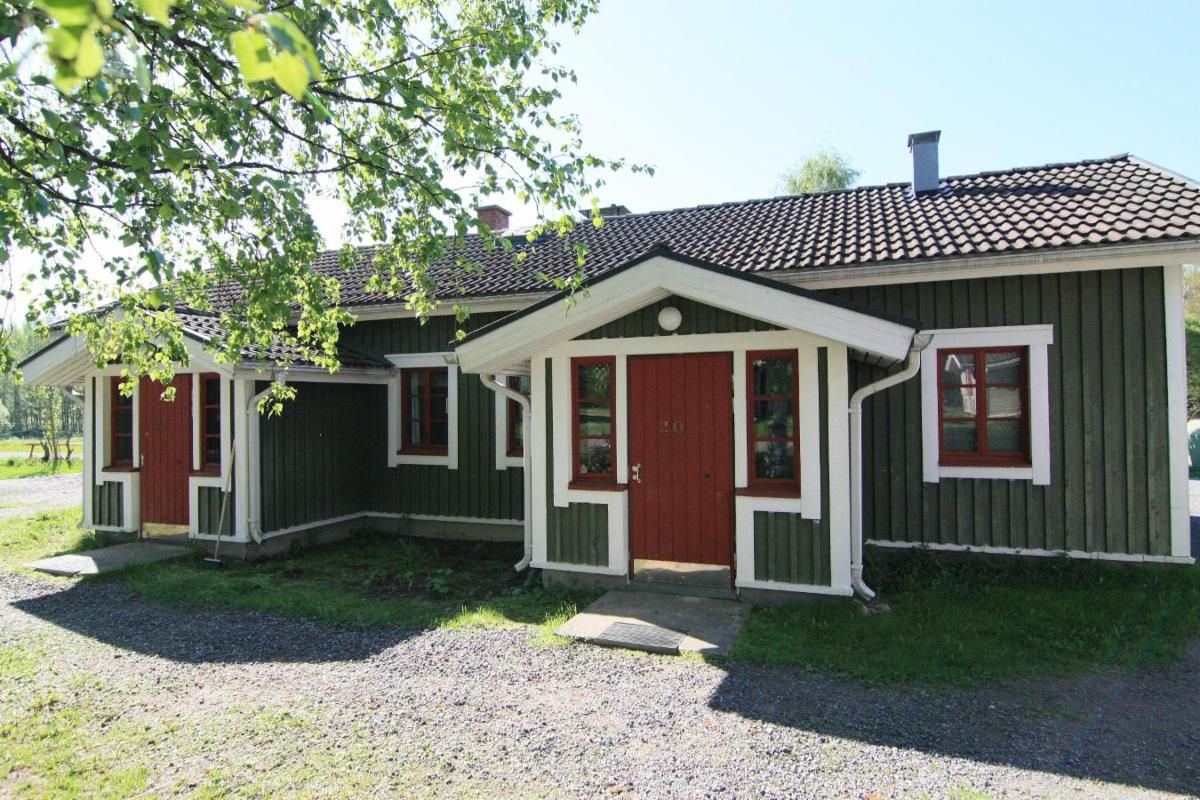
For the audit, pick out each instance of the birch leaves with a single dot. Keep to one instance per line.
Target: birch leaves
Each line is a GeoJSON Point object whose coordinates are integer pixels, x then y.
{"type": "Point", "coordinates": [270, 47]}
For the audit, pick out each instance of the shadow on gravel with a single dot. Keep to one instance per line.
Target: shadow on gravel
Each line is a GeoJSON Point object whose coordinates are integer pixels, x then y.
{"type": "Point", "coordinates": [1137, 730]}
{"type": "Point", "coordinates": [114, 614]}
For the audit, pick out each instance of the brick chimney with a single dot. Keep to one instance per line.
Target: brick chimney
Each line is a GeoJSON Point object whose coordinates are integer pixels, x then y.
{"type": "Point", "coordinates": [495, 217]}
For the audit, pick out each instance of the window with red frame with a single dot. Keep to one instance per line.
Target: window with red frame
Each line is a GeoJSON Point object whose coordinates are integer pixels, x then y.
{"type": "Point", "coordinates": [772, 399]}
{"type": "Point", "coordinates": [593, 389]}
{"type": "Point", "coordinates": [122, 426]}
{"type": "Point", "coordinates": [983, 406]}
{"type": "Point", "coordinates": [424, 422]}
{"type": "Point", "coordinates": [210, 421]}
{"type": "Point", "coordinates": [516, 426]}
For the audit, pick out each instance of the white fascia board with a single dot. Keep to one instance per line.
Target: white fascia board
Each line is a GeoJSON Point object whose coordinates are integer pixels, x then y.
{"type": "Point", "coordinates": [661, 277]}
{"type": "Point", "coordinates": [1035, 262]}
{"type": "Point", "coordinates": [60, 365]}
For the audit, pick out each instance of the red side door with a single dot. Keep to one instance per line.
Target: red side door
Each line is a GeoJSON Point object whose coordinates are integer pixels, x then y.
{"type": "Point", "coordinates": [166, 450]}
{"type": "Point", "coordinates": [681, 458]}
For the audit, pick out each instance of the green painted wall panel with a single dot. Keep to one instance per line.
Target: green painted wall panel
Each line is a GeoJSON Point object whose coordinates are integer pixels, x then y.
{"type": "Point", "coordinates": [312, 458]}
{"type": "Point", "coordinates": [577, 534]}
{"type": "Point", "coordinates": [787, 547]}
{"type": "Point", "coordinates": [208, 511]}
{"type": "Point", "coordinates": [476, 489]}
{"type": "Point", "coordinates": [698, 318]}
{"type": "Point", "coordinates": [1108, 434]}
{"type": "Point", "coordinates": [107, 505]}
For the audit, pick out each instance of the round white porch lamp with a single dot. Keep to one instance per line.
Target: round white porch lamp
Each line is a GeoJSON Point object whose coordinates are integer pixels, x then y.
{"type": "Point", "coordinates": [670, 318]}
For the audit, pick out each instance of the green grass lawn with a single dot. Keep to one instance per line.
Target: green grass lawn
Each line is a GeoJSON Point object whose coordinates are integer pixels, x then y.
{"type": "Point", "coordinates": [13, 467]}
{"type": "Point", "coordinates": [968, 622]}
{"type": "Point", "coordinates": [24, 539]}
{"type": "Point", "coordinates": [371, 580]}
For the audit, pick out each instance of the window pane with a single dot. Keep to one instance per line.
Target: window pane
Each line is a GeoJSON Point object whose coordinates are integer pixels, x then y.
{"type": "Point", "coordinates": [774, 460]}
{"type": "Point", "coordinates": [595, 419]}
{"type": "Point", "coordinates": [595, 380]}
{"type": "Point", "coordinates": [415, 406]}
{"type": "Point", "coordinates": [123, 420]}
{"type": "Point", "coordinates": [212, 451]}
{"type": "Point", "coordinates": [958, 402]}
{"type": "Point", "coordinates": [416, 382]}
{"type": "Point", "coordinates": [1004, 436]}
{"type": "Point", "coordinates": [595, 456]}
{"type": "Point", "coordinates": [1003, 403]}
{"type": "Point", "coordinates": [437, 407]}
{"type": "Point", "coordinates": [958, 368]}
{"type": "Point", "coordinates": [212, 391]}
{"type": "Point", "coordinates": [124, 447]}
{"type": "Point", "coordinates": [773, 418]}
{"type": "Point", "coordinates": [1004, 367]}
{"type": "Point", "coordinates": [212, 420]}
{"type": "Point", "coordinates": [439, 380]}
{"type": "Point", "coordinates": [439, 432]}
{"type": "Point", "coordinates": [773, 376]}
{"type": "Point", "coordinates": [959, 437]}
{"type": "Point", "coordinates": [524, 384]}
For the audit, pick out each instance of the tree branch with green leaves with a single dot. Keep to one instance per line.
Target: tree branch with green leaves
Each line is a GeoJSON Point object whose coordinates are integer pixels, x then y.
{"type": "Point", "coordinates": [195, 135]}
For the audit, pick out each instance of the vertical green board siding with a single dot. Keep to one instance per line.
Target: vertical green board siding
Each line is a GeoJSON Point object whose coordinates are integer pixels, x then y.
{"type": "Point", "coordinates": [1108, 431]}
{"type": "Point", "coordinates": [208, 511]}
{"type": "Point", "coordinates": [787, 547]}
{"type": "Point", "coordinates": [577, 534]}
{"type": "Point", "coordinates": [107, 504]}
{"type": "Point", "coordinates": [313, 456]}
{"type": "Point", "coordinates": [476, 489]}
{"type": "Point", "coordinates": [697, 318]}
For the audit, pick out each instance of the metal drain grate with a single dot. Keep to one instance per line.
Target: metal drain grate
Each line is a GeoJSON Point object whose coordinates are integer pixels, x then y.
{"type": "Point", "coordinates": [634, 636]}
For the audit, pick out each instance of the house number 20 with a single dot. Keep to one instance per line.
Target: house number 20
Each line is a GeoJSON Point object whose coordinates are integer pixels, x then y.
{"type": "Point", "coordinates": [667, 426]}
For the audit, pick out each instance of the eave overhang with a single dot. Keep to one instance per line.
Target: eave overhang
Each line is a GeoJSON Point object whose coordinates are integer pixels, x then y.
{"type": "Point", "coordinates": [506, 345]}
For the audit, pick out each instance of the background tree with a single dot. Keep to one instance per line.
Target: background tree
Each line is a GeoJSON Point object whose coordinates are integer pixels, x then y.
{"type": "Point", "coordinates": [823, 170]}
{"type": "Point", "coordinates": [196, 134]}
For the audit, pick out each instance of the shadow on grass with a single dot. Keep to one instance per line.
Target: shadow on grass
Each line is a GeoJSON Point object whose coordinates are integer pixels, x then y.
{"type": "Point", "coordinates": [1089, 670]}
{"type": "Point", "coordinates": [344, 601]}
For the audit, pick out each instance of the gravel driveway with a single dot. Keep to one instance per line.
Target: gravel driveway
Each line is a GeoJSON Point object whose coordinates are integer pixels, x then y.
{"type": "Point", "coordinates": [491, 712]}
{"type": "Point", "coordinates": [21, 496]}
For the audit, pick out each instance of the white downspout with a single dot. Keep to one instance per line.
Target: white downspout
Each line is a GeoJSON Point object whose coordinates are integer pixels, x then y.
{"type": "Point", "coordinates": [254, 482]}
{"type": "Point", "coordinates": [526, 458]}
{"type": "Point", "coordinates": [911, 368]}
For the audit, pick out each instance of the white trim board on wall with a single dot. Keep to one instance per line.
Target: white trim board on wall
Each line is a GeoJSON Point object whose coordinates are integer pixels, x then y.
{"type": "Point", "coordinates": [1177, 440]}
{"type": "Point", "coordinates": [1037, 338]}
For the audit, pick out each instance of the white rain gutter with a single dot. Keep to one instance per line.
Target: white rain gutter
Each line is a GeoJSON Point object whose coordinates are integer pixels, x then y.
{"type": "Point", "coordinates": [526, 459]}
{"type": "Point", "coordinates": [254, 482]}
{"type": "Point", "coordinates": [911, 368]}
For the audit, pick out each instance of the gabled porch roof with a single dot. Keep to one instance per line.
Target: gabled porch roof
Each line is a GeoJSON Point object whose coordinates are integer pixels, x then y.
{"type": "Point", "coordinates": [506, 345]}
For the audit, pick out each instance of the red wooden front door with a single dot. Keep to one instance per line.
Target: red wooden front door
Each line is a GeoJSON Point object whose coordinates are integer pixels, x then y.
{"type": "Point", "coordinates": [681, 458]}
{"type": "Point", "coordinates": [166, 450]}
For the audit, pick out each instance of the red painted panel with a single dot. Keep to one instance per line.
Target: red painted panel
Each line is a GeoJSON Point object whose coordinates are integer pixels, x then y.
{"type": "Point", "coordinates": [166, 450]}
{"type": "Point", "coordinates": [681, 435]}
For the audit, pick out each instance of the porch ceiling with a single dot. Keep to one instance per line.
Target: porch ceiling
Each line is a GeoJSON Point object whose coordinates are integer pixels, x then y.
{"type": "Point", "coordinates": [507, 345]}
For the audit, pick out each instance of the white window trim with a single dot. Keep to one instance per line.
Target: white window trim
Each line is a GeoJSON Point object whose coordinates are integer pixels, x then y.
{"type": "Point", "coordinates": [1037, 338]}
{"type": "Point", "coordinates": [405, 361]}
{"type": "Point", "coordinates": [503, 459]}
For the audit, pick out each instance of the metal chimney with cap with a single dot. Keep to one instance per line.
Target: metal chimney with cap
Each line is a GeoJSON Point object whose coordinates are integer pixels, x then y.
{"type": "Point", "coordinates": [924, 149]}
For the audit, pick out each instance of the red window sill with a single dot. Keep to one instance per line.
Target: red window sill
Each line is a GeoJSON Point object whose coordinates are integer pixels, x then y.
{"type": "Point", "coordinates": [597, 486]}
{"type": "Point", "coordinates": [424, 451]}
{"type": "Point", "coordinates": [207, 472]}
{"type": "Point", "coordinates": [769, 491]}
{"type": "Point", "coordinates": [985, 463]}
{"type": "Point", "coordinates": [121, 468]}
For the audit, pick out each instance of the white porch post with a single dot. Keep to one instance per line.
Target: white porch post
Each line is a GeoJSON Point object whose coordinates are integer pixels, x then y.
{"type": "Point", "coordinates": [89, 449]}
{"type": "Point", "coordinates": [242, 392]}
{"type": "Point", "coordinates": [1177, 457]}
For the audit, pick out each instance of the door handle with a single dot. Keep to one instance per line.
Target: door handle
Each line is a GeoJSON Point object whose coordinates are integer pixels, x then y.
{"type": "Point", "coordinates": [636, 473]}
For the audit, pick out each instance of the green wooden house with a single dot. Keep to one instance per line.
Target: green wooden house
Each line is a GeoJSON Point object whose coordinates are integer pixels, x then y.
{"type": "Point", "coordinates": [746, 395]}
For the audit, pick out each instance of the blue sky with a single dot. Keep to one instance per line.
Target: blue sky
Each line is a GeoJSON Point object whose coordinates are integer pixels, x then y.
{"type": "Point", "coordinates": [721, 97]}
